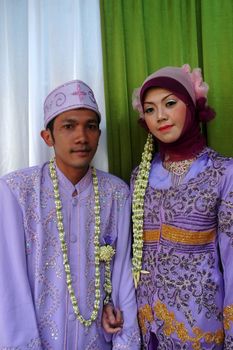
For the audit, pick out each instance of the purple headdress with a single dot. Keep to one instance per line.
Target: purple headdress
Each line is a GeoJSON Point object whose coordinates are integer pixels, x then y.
{"type": "Point", "coordinates": [192, 90]}
{"type": "Point", "coordinates": [167, 78]}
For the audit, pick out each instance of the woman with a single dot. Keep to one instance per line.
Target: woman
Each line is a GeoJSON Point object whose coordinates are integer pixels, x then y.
{"type": "Point", "coordinates": [182, 219]}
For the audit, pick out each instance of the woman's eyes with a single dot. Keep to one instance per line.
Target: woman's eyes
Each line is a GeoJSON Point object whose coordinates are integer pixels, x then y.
{"type": "Point", "coordinates": [167, 104]}
{"type": "Point", "coordinates": [149, 110]}
{"type": "Point", "coordinates": [171, 103]}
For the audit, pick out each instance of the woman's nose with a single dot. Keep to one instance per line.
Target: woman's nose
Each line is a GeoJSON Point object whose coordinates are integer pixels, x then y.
{"type": "Point", "coordinates": [161, 115]}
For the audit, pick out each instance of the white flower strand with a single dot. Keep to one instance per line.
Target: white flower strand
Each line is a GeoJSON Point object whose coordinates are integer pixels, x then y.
{"type": "Point", "coordinates": [138, 208]}
{"type": "Point", "coordinates": [104, 253]}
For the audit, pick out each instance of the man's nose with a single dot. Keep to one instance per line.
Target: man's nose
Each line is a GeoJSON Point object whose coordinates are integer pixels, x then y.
{"type": "Point", "coordinates": [80, 134]}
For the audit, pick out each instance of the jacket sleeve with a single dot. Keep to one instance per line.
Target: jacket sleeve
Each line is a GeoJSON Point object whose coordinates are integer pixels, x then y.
{"type": "Point", "coordinates": [123, 292]}
{"type": "Point", "coordinates": [18, 326]}
{"type": "Point", "coordinates": [225, 233]}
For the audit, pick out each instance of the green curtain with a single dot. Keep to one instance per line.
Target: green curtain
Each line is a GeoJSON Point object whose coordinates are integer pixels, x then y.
{"type": "Point", "coordinates": [141, 36]}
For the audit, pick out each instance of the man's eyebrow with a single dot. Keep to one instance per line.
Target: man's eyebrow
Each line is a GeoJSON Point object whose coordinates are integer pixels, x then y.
{"type": "Point", "coordinates": [69, 120]}
{"type": "Point", "coordinates": [73, 120]}
{"type": "Point", "coordinates": [92, 120]}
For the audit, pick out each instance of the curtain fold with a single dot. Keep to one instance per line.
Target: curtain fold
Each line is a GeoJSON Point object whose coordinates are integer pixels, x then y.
{"type": "Point", "coordinates": [141, 36]}
{"type": "Point", "coordinates": [44, 44]}
{"type": "Point", "coordinates": [13, 85]}
{"type": "Point", "coordinates": [217, 36]}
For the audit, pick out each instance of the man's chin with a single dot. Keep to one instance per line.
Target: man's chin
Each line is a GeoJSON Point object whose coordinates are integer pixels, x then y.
{"type": "Point", "coordinates": [82, 165]}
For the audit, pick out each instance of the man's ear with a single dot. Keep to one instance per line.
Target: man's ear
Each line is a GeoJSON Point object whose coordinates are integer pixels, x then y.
{"type": "Point", "coordinates": [47, 137]}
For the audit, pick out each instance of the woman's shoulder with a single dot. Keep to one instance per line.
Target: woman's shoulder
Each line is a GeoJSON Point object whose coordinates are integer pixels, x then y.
{"type": "Point", "coordinates": [219, 159]}
{"type": "Point", "coordinates": [222, 167]}
{"type": "Point", "coordinates": [155, 160]}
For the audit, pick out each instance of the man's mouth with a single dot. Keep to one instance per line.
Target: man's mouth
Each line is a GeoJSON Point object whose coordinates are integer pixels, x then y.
{"type": "Point", "coordinates": [80, 150]}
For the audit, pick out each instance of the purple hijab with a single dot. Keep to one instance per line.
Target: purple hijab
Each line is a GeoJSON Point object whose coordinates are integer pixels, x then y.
{"type": "Point", "coordinates": [190, 88]}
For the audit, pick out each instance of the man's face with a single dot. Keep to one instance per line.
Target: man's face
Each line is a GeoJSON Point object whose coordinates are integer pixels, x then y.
{"type": "Point", "coordinates": [75, 139]}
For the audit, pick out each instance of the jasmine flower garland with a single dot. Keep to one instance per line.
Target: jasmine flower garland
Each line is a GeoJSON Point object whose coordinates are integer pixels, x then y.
{"type": "Point", "coordinates": [104, 253]}
{"type": "Point", "coordinates": [138, 208]}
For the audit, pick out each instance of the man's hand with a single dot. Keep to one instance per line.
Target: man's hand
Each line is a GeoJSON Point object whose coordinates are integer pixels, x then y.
{"type": "Point", "coordinates": [112, 319]}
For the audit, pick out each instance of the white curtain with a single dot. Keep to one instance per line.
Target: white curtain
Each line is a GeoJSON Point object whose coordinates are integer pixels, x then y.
{"type": "Point", "coordinates": [44, 43]}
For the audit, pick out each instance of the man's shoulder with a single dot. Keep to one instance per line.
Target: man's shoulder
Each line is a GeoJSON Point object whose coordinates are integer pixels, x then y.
{"type": "Point", "coordinates": [26, 177]}
{"type": "Point", "coordinates": [112, 182]}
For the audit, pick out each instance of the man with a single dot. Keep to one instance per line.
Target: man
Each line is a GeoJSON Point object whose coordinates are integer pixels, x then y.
{"type": "Point", "coordinates": [65, 244]}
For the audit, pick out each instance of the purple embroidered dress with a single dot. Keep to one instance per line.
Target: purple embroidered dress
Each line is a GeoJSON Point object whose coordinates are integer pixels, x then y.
{"type": "Point", "coordinates": [35, 308]}
{"type": "Point", "coordinates": [186, 300]}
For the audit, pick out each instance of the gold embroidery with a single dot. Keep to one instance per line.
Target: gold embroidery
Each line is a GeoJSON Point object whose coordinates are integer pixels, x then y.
{"type": "Point", "coordinates": [182, 331]}
{"type": "Point", "coordinates": [151, 235]}
{"type": "Point", "coordinates": [179, 235]}
{"type": "Point", "coordinates": [228, 316]}
{"type": "Point", "coordinates": [171, 325]}
{"type": "Point", "coordinates": [144, 314]}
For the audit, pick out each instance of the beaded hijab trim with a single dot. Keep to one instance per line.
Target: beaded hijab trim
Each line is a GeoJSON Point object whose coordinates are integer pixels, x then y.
{"type": "Point", "coordinates": [102, 253]}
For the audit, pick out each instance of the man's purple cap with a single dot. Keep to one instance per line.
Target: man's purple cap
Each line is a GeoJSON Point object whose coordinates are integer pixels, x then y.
{"type": "Point", "coordinates": [74, 94]}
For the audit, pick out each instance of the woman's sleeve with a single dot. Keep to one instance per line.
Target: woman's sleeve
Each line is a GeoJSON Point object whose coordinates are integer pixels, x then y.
{"type": "Point", "coordinates": [123, 293]}
{"type": "Point", "coordinates": [225, 234]}
{"type": "Point", "coordinates": [18, 326]}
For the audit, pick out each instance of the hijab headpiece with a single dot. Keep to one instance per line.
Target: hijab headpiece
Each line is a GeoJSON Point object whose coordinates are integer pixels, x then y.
{"type": "Point", "coordinates": [192, 90]}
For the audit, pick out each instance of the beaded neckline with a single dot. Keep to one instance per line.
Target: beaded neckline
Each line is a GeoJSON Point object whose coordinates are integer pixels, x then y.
{"type": "Point", "coordinates": [178, 169]}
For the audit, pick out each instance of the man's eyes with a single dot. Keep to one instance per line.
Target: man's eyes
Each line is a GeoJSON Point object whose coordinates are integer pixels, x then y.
{"type": "Point", "coordinates": [92, 126]}
{"type": "Point", "coordinates": [68, 126]}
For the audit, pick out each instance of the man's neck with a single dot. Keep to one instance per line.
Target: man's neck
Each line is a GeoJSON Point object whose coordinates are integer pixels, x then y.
{"type": "Point", "coordinates": [74, 175]}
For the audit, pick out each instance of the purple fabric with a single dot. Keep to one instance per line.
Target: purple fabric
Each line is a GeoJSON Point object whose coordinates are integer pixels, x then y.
{"type": "Point", "coordinates": [173, 74]}
{"type": "Point", "coordinates": [35, 308]}
{"type": "Point", "coordinates": [189, 285]}
{"type": "Point", "coordinates": [153, 343]}
{"type": "Point", "coordinates": [74, 94]}
{"type": "Point", "coordinates": [169, 84]}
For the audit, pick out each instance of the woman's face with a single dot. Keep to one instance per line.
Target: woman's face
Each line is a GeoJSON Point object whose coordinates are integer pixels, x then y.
{"type": "Point", "coordinates": [164, 114]}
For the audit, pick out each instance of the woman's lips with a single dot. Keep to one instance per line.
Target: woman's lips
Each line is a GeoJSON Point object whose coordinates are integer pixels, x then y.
{"type": "Point", "coordinates": [165, 127]}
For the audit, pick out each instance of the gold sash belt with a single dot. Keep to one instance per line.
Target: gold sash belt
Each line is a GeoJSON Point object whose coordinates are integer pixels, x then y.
{"type": "Point", "coordinates": [179, 235]}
